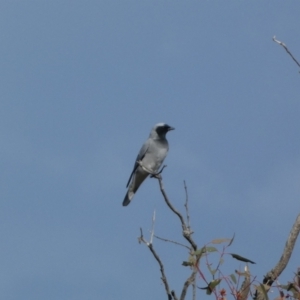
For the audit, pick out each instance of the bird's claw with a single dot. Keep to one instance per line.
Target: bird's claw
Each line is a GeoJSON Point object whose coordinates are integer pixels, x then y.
{"type": "Point", "coordinates": [158, 173]}
{"type": "Point", "coordinates": [152, 174]}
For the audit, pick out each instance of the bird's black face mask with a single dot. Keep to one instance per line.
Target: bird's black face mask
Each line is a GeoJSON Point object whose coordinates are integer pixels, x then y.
{"type": "Point", "coordinates": [163, 129]}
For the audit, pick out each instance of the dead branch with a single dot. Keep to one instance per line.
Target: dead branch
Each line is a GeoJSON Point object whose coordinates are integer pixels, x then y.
{"type": "Point", "coordinates": [189, 281]}
{"type": "Point", "coordinates": [283, 261]}
{"type": "Point", "coordinates": [186, 206]}
{"type": "Point", "coordinates": [162, 270]}
{"type": "Point", "coordinates": [163, 276]}
{"type": "Point", "coordinates": [286, 49]}
{"type": "Point", "coordinates": [186, 232]}
{"type": "Point", "coordinates": [173, 242]}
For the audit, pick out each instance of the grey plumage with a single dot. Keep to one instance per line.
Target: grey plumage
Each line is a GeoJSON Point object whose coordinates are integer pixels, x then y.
{"type": "Point", "coordinates": [151, 155]}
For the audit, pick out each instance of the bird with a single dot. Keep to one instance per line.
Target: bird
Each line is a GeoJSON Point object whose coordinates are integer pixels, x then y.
{"type": "Point", "coordinates": [149, 159]}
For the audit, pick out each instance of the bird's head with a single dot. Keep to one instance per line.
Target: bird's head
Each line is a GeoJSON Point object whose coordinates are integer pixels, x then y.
{"type": "Point", "coordinates": [160, 130]}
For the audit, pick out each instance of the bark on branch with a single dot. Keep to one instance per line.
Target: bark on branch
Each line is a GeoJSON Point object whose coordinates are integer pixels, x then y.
{"type": "Point", "coordinates": [272, 275]}
{"type": "Point", "coordinates": [171, 295]}
{"type": "Point", "coordinates": [187, 232]}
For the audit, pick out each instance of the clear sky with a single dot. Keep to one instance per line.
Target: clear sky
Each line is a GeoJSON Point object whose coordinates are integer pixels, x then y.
{"type": "Point", "coordinates": [81, 85]}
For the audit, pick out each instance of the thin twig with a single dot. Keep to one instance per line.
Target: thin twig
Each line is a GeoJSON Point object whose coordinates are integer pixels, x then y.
{"type": "Point", "coordinates": [185, 230]}
{"type": "Point", "coordinates": [201, 274]}
{"type": "Point", "coordinates": [170, 241]}
{"type": "Point", "coordinates": [141, 238]}
{"type": "Point", "coordinates": [186, 206]}
{"type": "Point", "coordinates": [286, 49]}
{"type": "Point", "coordinates": [162, 270]}
{"type": "Point", "coordinates": [152, 230]}
{"type": "Point", "coordinates": [284, 259]}
{"type": "Point", "coordinates": [232, 290]}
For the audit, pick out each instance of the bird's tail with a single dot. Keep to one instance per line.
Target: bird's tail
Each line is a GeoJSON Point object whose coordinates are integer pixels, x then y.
{"type": "Point", "coordinates": [139, 176]}
{"type": "Point", "coordinates": [128, 197]}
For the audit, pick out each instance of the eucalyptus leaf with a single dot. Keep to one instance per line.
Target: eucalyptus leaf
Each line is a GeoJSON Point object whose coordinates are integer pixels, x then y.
{"type": "Point", "coordinates": [231, 241]}
{"type": "Point", "coordinates": [199, 252]}
{"type": "Point", "coordinates": [220, 241]}
{"type": "Point", "coordinates": [211, 286]}
{"type": "Point", "coordinates": [241, 258]}
{"type": "Point", "coordinates": [232, 276]}
{"type": "Point", "coordinates": [211, 249]}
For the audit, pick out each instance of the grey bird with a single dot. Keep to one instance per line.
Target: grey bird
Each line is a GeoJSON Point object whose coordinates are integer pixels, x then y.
{"type": "Point", "coordinates": [149, 159]}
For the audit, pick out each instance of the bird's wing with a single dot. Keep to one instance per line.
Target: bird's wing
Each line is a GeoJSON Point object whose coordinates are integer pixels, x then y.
{"type": "Point", "coordinates": [140, 157]}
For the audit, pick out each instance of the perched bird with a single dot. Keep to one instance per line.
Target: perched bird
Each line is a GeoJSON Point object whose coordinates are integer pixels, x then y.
{"type": "Point", "coordinates": [149, 159]}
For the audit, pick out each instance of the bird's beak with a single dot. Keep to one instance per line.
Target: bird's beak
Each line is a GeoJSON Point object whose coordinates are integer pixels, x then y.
{"type": "Point", "coordinates": [171, 128]}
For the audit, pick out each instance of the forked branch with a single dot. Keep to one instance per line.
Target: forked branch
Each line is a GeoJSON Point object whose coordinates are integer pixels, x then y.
{"type": "Point", "coordinates": [186, 231]}
{"type": "Point", "coordinates": [141, 239]}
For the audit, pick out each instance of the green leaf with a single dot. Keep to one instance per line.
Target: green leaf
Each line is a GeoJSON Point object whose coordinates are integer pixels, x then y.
{"type": "Point", "coordinates": [241, 258]}
{"type": "Point", "coordinates": [211, 249]}
{"type": "Point", "coordinates": [199, 252]}
{"type": "Point", "coordinates": [212, 285]}
{"type": "Point", "coordinates": [231, 241]}
{"type": "Point", "coordinates": [187, 264]}
{"type": "Point", "coordinates": [192, 259]}
{"type": "Point", "coordinates": [220, 241]}
{"type": "Point", "coordinates": [232, 276]}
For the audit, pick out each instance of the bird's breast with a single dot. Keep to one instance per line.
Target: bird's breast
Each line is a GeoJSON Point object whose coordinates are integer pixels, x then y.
{"type": "Point", "coordinates": [155, 157]}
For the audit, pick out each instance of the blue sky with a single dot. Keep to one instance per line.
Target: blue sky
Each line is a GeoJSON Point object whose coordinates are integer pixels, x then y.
{"type": "Point", "coordinates": [81, 85]}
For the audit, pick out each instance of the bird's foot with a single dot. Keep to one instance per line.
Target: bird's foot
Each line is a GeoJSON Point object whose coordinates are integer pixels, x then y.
{"type": "Point", "coordinates": [156, 175]}
{"type": "Point", "coordinates": [152, 174]}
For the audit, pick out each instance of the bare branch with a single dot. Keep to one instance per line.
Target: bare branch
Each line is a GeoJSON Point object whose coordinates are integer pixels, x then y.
{"type": "Point", "coordinates": [162, 270]}
{"type": "Point", "coordinates": [189, 281]}
{"type": "Point", "coordinates": [185, 230]}
{"type": "Point", "coordinates": [286, 49]}
{"type": "Point", "coordinates": [186, 206]}
{"type": "Point", "coordinates": [194, 289]}
{"type": "Point", "coordinates": [152, 230]}
{"type": "Point", "coordinates": [141, 238]}
{"type": "Point", "coordinates": [285, 257]}
{"type": "Point", "coordinates": [174, 295]}
{"type": "Point", "coordinates": [170, 241]}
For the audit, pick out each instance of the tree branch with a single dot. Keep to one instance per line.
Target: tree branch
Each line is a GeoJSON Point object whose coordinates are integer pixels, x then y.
{"type": "Point", "coordinates": [186, 232]}
{"type": "Point", "coordinates": [170, 241]}
{"type": "Point", "coordinates": [186, 206]}
{"type": "Point", "coordinates": [188, 282]}
{"type": "Point", "coordinates": [285, 257]}
{"type": "Point", "coordinates": [162, 270]}
{"type": "Point", "coordinates": [286, 49]}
